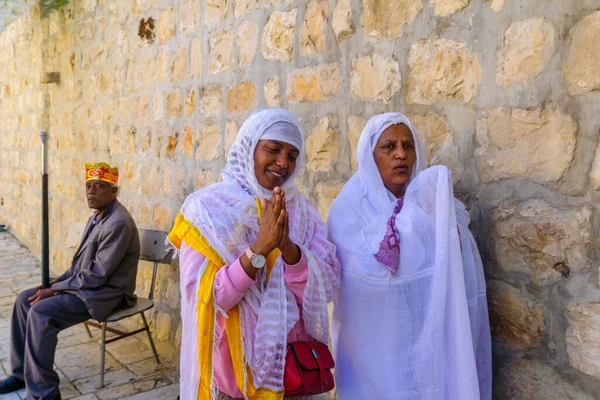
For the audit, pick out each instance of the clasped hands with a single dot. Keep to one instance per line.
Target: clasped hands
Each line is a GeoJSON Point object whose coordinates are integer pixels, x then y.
{"type": "Point", "coordinates": [274, 229]}
{"type": "Point", "coordinates": [41, 294]}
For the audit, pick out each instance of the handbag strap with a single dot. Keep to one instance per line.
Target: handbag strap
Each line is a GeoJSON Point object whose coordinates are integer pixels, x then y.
{"type": "Point", "coordinates": [318, 359]}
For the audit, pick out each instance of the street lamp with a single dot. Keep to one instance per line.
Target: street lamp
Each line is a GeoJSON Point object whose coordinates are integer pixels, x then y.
{"type": "Point", "coordinates": [45, 244]}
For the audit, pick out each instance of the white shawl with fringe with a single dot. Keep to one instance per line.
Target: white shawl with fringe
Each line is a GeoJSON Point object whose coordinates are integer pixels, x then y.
{"type": "Point", "coordinates": [226, 214]}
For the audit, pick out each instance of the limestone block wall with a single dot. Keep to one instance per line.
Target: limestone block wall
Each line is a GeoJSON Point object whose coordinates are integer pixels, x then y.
{"type": "Point", "coordinates": [504, 92]}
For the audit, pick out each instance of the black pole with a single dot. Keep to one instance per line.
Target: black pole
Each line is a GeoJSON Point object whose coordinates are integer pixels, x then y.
{"type": "Point", "coordinates": [45, 241]}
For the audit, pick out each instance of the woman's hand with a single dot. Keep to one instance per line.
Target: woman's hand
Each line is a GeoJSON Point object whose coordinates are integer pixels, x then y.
{"type": "Point", "coordinates": [271, 224]}
{"type": "Point", "coordinates": [289, 250]}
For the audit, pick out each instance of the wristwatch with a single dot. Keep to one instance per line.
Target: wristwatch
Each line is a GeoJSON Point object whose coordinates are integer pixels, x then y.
{"type": "Point", "coordinates": [256, 260]}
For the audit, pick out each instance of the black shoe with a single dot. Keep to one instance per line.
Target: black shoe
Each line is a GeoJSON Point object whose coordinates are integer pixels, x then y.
{"type": "Point", "coordinates": [54, 396]}
{"type": "Point", "coordinates": [11, 384]}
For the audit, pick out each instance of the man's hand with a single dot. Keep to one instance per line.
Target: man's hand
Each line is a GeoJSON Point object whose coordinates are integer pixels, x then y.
{"type": "Point", "coordinates": [40, 295]}
{"type": "Point", "coordinates": [52, 282]}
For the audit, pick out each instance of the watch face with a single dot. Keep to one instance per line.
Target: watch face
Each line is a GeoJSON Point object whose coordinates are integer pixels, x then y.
{"type": "Point", "coordinates": [258, 261]}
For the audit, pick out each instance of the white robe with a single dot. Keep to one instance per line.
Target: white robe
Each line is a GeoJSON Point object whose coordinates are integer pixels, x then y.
{"type": "Point", "coordinates": [423, 332]}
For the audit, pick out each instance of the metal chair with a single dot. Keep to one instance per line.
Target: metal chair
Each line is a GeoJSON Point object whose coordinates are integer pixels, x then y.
{"type": "Point", "coordinates": [152, 248]}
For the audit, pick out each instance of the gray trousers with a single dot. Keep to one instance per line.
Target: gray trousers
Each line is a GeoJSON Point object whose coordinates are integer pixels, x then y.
{"type": "Point", "coordinates": [33, 339]}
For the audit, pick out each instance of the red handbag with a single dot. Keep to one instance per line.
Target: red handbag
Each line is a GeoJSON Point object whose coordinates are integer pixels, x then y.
{"type": "Point", "coordinates": [308, 369]}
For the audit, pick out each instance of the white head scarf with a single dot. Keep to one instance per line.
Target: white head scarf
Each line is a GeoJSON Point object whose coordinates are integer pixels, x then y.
{"type": "Point", "coordinates": [271, 124]}
{"type": "Point", "coordinates": [368, 173]}
{"type": "Point", "coordinates": [420, 330]}
{"type": "Point", "coordinates": [226, 214]}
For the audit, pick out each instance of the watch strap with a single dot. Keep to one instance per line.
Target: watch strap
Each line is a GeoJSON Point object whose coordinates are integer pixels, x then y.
{"type": "Point", "coordinates": [251, 255]}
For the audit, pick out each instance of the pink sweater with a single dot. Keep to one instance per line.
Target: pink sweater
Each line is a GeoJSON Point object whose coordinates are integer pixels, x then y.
{"type": "Point", "coordinates": [234, 284]}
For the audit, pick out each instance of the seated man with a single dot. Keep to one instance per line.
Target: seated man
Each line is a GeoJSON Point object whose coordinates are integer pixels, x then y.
{"type": "Point", "coordinates": [100, 280]}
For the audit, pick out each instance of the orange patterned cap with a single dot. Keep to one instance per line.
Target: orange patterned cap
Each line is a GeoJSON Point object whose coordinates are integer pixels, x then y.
{"type": "Point", "coordinates": [101, 172]}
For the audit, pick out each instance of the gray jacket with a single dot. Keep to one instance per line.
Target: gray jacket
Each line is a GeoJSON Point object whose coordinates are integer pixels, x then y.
{"type": "Point", "coordinates": [104, 268]}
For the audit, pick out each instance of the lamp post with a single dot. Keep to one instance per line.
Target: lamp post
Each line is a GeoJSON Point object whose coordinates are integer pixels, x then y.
{"type": "Point", "coordinates": [45, 244]}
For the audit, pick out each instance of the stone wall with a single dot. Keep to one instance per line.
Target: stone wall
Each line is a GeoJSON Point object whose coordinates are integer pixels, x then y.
{"type": "Point", "coordinates": [504, 92]}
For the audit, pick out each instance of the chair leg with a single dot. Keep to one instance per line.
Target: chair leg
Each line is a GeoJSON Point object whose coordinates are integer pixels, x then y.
{"type": "Point", "coordinates": [102, 354]}
{"type": "Point", "coordinates": [150, 338]}
{"type": "Point", "coordinates": [87, 328]}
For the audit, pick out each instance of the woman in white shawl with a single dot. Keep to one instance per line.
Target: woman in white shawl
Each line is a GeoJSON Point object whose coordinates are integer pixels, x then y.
{"type": "Point", "coordinates": [410, 320]}
{"type": "Point", "coordinates": [250, 286]}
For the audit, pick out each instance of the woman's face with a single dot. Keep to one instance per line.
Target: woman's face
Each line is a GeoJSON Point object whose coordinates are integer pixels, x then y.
{"type": "Point", "coordinates": [274, 162]}
{"type": "Point", "coordinates": [395, 157]}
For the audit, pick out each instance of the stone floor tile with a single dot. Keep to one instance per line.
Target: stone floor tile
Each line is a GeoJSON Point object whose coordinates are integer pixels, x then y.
{"type": "Point", "coordinates": [6, 291]}
{"type": "Point", "coordinates": [83, 361]}
{"type": "Point", "coordinates": [165, 393]}
{"type": "Point", "coordinates": [90, 396]}
{"type": "Point", "coordinates": [6, 282]}
{"type": "Point", "coordinates": [129, 350]}
{"type": "Point", "coordinates": [130, 366]}
{"type": "Point", "coordinates": [111, 379]}
{"type": "Point", "coordinates": [7, 301]}
{"type": "Point", "coordinates": [97, 332]}
{"type": "Point", "coordinates": [15, 274]}
{"type": "Point", "coordinates": [131, 388]}
{"type": "Point", "coordinates": [74, 330]}
{"type": "Point", "coordinates": [5, 314]}
{"type": "Point", "coordinates": [67, 390]}
{"type": "Point", "coordinates": [5, 332]}
{"type": "Point", "coordinates": [4, 349]}
{"type": "Point", "coordinates": [74, 340]}
{"type": "Point", "coordinates": [144, 339]}
{"type": "Point", "coordinates": [148, 367]}
{"type": "Point", "coordinates": [28, 283]}
{"type": "Point", "coordinates": [11, 247]}
{"type": "Point", "coordinates": [6, 367]}
{"type": "Point", "coordinates": [6, 311]}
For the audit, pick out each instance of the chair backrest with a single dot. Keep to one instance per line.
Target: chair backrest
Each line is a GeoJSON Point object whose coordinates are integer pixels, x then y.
{"type": "Point", "coordinates": [152, 247]}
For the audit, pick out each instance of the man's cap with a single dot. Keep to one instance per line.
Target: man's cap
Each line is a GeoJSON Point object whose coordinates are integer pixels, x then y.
{"type": "Point", "coordinates": [101, 172]}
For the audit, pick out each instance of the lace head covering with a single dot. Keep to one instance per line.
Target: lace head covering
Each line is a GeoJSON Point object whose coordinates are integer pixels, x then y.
{"type": "Point", "coordinates": [271, 123]}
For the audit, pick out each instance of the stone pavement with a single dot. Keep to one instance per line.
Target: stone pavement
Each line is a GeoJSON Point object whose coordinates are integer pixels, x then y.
{"type": "Point", "coordinates": [131, 372]}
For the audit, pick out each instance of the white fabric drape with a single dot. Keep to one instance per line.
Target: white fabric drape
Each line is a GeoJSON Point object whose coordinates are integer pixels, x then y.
{"type": "Point", "coordinates": [423, 332]}
{"type": "Point", "coordinates": [226, 213]}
